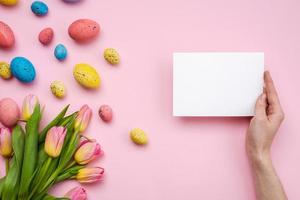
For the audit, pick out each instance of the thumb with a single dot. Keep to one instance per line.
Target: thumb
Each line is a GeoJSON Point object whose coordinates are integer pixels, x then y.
{"type": "Point", "coordinates": [261, 106]}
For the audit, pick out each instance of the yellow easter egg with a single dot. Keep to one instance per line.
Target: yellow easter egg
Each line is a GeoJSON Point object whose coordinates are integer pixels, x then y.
{"type": "Point", "coordinates": [5, 72]}
{"type": "Point", "coordinates": [8, 2]}
{"type": "Point", "coordinates": [86, 75]}
{"type": "Point", "coordinates": [58, 89]}
{"type": "Point", "coordinates": [112, 56]}
{"type": "Point", "coordinates": [138, 136]}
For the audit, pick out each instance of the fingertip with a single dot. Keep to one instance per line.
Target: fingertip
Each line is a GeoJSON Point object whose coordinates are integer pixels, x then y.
{"type": "Point", "coordinates": [267, 72]}
{"type": "Point", "coordinates": [267, 76]}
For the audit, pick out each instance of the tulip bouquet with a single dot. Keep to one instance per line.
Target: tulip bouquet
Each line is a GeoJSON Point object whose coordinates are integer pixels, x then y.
{"type": "Point", "coordinates": [37, 159]}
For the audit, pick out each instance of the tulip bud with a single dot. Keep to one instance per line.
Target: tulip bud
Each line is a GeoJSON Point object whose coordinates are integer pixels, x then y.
{"type": "Point", "coordinates": [5, 142]}
{"type": "Point", "coordinates": [87, 152]}
{"type": "Point", "coordinates": [29, 104]}
{"type": "Point", "coordinates": [77, 193]}
{"type": "Point", "coordinates": [83, 118]}
{"type": "Point", "coordinates": [90, 174]}
{"type": "Point", "coordinates": [55, 140]}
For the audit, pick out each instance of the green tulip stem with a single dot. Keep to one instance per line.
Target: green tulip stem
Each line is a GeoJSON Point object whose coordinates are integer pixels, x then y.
{"type": "Point", "coordinates": [7, 165]}
{"type": "Point", "coordinates": [41, 174]}
{"type": "Point", "coordinates": [71, 164]}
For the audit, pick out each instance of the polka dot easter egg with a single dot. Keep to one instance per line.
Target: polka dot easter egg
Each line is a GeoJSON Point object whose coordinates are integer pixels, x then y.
{"type": "Point", "coordinates": [22, 69]}
{"type": "Point", "coordinates": [60, 52]}
{"type": "Point", "coordinates": [58, 89]}
{"type": "Point", "coordinates": [8, 2]}
{"type": "Point", "coordinates": [87, 76]}
{"type": "Point", "coordinates": [138, 136]}
{"type": "Point", "coordinates": [7, 38]}
{"type": "Point", "coordinates": [111, 56]}
{"type": "Point", "coordinates": [83, 30]}
{"type": "Point", "coordinates": [105, 113]}
{"type": "Point", "coordinates": [9, 112]}
{"type": "Point", "coordinates": [46, 36]}
{"type": "Point", "coordinates": [5, 72]}
{"type": "Point", "coordinates": [39, 8]}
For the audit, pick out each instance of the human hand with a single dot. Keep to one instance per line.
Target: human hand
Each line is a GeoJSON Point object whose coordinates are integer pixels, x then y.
{"type": "Point", "coordinates": [265, 123]}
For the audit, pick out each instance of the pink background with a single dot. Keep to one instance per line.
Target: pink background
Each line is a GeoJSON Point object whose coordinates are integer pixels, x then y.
{"type": "Point", "coordinates": [187, 158]}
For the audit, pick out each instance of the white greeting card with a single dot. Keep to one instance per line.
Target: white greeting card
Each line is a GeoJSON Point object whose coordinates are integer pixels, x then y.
{"type": "Point", "coordinates": [216, 84]}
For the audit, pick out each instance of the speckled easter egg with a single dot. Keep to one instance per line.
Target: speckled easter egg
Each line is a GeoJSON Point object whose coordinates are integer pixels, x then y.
{"type": "Point", "coordinates": [39, 8]}
{"type": "Point", "coordinates": [60, 52]}
{"type": "Point", "coordinates": [5, 72]}
{"type": "Point", "coordinates": [9, 112]}
{"type": "Point", "coordinates": [83, 30]}
{"type": "Point", "coordinates": [58, 89]}
{"type": "Point", "coordinates": [138, 136]}
{"type": "Point", "coordinates": [86, 75]}
{"type": "Point", "coordinates": [46, 36]}
{"type": "Point", "coordinates": [7, 38]}
{"type": "Point", "coordinates": [105, 113]}
{"type": "Point", "coordinates": [71, 1]}
{"type": "Point", "coordinates": [22, 69]}
{"type": "Point", "coordinates": [112, 56]}
{"type": "Point", "coordinates": [8, 2]}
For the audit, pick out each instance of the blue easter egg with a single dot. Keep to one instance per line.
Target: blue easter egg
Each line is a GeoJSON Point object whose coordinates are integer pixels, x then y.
{"type": "Point", "coordinates": [39, 8]}
{"type": "Point", "coordinates": [22, 69]}
{"type": "Point", "coordinates": [60, 52]}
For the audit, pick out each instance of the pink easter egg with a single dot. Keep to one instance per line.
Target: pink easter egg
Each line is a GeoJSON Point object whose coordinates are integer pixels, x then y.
{"type": "Point", "coordinates": [9, 112]}
{"type": "Point", "coordinates": [83, 30]}
{"type": "Point", "coordinates": [7, 38]}
{"type": "Point", "coordinates": [46, 36]}
{"type": "Point", "coordinates": [105, 113]}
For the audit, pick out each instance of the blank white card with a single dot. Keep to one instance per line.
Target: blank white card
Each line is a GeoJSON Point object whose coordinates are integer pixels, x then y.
{"type": "Point", "coordinates": [216, 84]}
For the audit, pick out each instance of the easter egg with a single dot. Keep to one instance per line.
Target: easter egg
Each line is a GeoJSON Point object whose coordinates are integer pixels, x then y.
{"type": "Point", "coordinates": [60, 52]}
{"type": "Point", "coordinates": [138, 136]}
{"type": "Point", "coordinates": [105, 113]}
{"type": "Point", "coordinates": [71, 1]}
{"type": "Point", "coordinates": [8, 2]}
{"type": "Point", "coordinates": [9, 112]}
{"type": "Point", "coordinates": [58, 89]}
{"type": "Point", "coordinates": [86, 75]}
{"type": "Point", "coordinates": [111, 56]}
{"type": "Point", "coordinates": [46, 36]}
{"type": "Point", "coordinates": [39, 8]}
{"type": "Point", "coordinates": [83, 30]}
{"type": "Point", "coordinates": [7, 38]}
{"type": "Point", "coordinates": [22, 69]}
{"type": "Point", "coordinates": [5, 72]}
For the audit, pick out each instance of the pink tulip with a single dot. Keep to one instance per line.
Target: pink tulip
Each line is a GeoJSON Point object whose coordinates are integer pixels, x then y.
{"type": "Point", "coordinates": [5, 142]}
{"type": "Point", "coordinates": [83, 118]}
{"type": "Point", "coordinates": [90, 174]}
{"type": "Point", "coordinates": [29, 104]}
{"type": "Point", "coordinates": [77, 193]}
{"type": "Point", "coordinates": [84, 140]}
{"type": "Point", "coordinates": [87, 152]}
{"type": "Point", "coordinates": [55, 140]}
